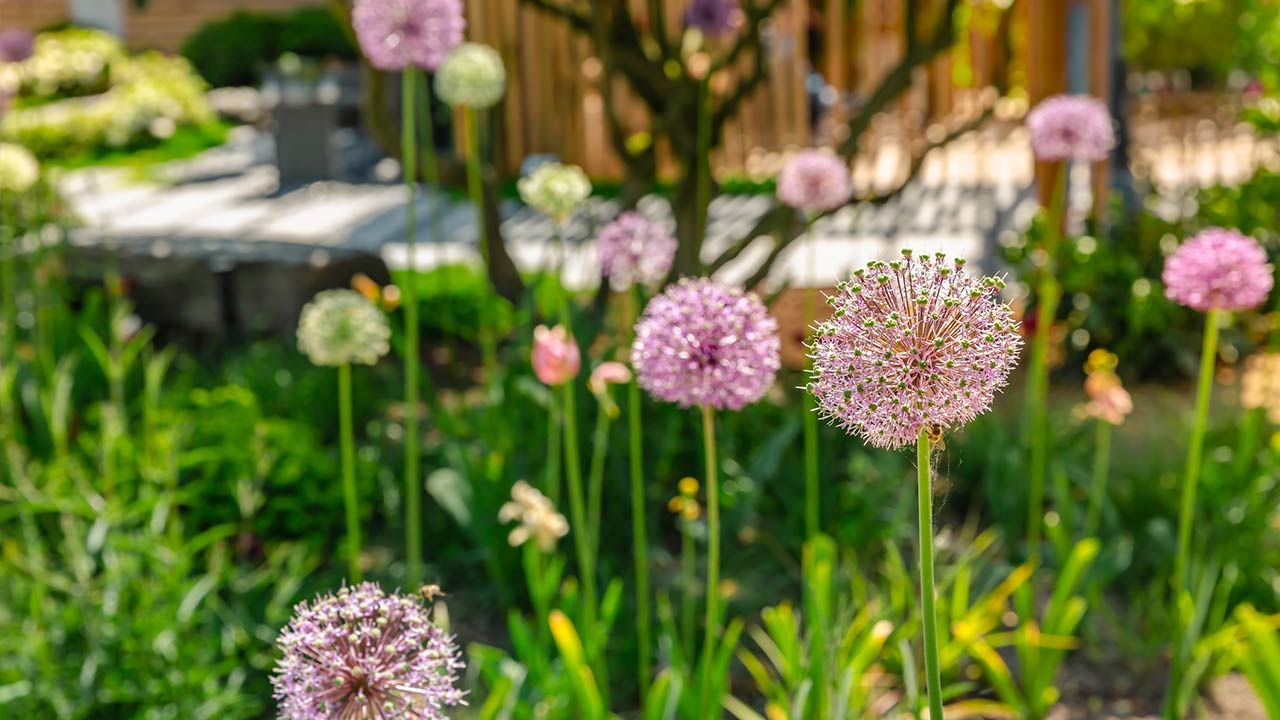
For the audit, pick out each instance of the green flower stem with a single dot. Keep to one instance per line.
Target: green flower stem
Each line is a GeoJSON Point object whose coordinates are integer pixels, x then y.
{"type": "Point", "coordinates": [8, 278]}
{"type": "Point", "coordinates": [812, 520]}
{"type": "Point", "coordinates": [712, 630]}
{"type": "Point", "coordinates": [412, 434]}
{"type": "Point", "coordinates": [1047, 294]}
{"type": "Point", "coordinates": [595, 476]}
{"type": "Point", "coordinates": [475, 188]}
{"type": "Point", "coordinates": [927, 610]}
{"type": "Point", "coordinates": [1247, 445]}
{"type": "Point", "coordinates": [349, 496]}
{"type": "Point", "coordinates": [688, 569]}
{"type": "Point", "coordinates": [581, 530]}
{"type": "Point", "coordinates": [639, 530]}
{"type": "Point", "coordinates": [1101, 470]}
{"type": "Point", "coordinates": [554, 450]}
{"type": "Point", "coordinates": [534, 570]}
{"type": "Point", "coordinates": [1195, 451]}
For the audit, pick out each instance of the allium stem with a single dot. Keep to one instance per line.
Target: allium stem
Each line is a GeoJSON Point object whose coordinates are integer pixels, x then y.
{"type": "Point", "coordinates": [1195, 451]}
{"type": "Point", "coordinates": [712, 630]}
{"type": "Point", "coordinates": [412, 479]}
{"type": "Point", "coordinates": [475, 188]}
{"type": "Point", "coordinates": [554, 450]}
{"type": "Point", "coordinates": [1101, 470]}
{"type": "Point", "coordinates": [1047, 294]}
{"type": "Point", "coordinates": [350, 500]}
{"type": "Point", "coordinates": [811, 489]}
{"type": "Point", "coordinates": [927, 609]}
{"type": "Point", "coordinates": [595, 476]}
{"type": "Point", "coordinates": [581, 531]}
{"type": "Point", "coordinates": [639, 531]}
{"type": "Point", "coordinates": [688, 570]}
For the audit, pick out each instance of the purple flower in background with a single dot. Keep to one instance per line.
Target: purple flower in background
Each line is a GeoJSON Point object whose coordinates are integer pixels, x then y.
{"type": "Point", "coordinates": [815, 181]}
{"type": "Point", "coordinates": [704, 343]}
{"type": "Point", "coordinates": [16, 45]}
{"type": "Point", "coordinates": [362, 654]}
{"type": "Point", "coordinates": [912, 344]}
{"type": "Point", "coordinates": [1071, 127]}
{"type": "Point", "coordinates": [712, 17]}
{"type": "Point", "coordinates": [635, 250]}
{"type": "Point", "coordinates": [1218, 269]}
{"type": "Point", "coordinates": [395, 34]}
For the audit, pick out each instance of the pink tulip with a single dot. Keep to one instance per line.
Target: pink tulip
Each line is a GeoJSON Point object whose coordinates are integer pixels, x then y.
{"type": "Point", "coordinates": [556, 359]}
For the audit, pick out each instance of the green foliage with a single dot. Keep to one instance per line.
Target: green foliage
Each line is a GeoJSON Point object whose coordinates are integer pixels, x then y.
{"type": "Point", "coordinates": [237, 49]}
{"type": "Point", "coordinates": [1175, 34]}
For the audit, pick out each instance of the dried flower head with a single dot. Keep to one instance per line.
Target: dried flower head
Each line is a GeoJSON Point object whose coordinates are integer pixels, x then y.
{"type": "Point", "coordinates": [537, 518]}
{"type": "Point", "coordinates": [396, 34]}
{"type": "Point", "coordinates": [815, 181]}
{"type": "Point", "coordinates": [912, 344]}
{"type": "Point", "coordinates": [556, 359]}
{"type": "Point", "coordinates": [1218, 269]}
{"type": "Point", "coordinates": [704, 343]}
{"type": "Point", "coordinates": [19, 169]}
{"type": "Point", "coordinates": [340, 327]}
{"type": "Point", "coordinates": [362, 654]}
{"type": "Point", "coordinates": [712, 17]}
{"type": "Point", "coordinates": [635, 250]}
{"type": "Point", "coordinates": [471, 75]}
{"type": "Point", "coordinates": [1260, 387]}
{"type": "Point", "coordinates": [555, 189]}
{"type": "Point", "coordinates": [1071, 127]}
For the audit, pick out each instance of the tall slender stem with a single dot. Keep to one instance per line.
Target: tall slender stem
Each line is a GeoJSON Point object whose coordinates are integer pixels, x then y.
{"type": "Point", "coordinates": [349, 497]}
{"type": "Point", "coordinates": [1047, 294]}
{"type": "Point", "coordinates": [8, 273]}
{"type": "Point", "coordinates": [554, 450]}
{"type": "Point", "coordinates": [581, 530]}
{"type": "Point", "coordinates": [927, 609]}
{"type": "Point", "coordinates": [475, 188]}
{"type": "Point", "coordinates": [1195, 451]}
{"type": "Point", "coordinates": [412, 435]}
{"type": "Point", "coordinates": [688, 570]}
{"type": "Point", "coordinates": [639, 531]}
{"type": "Point", "coordinates": [595, 475]}
{"type": "Point", "coordinates": [812, 520]}
{"type": "Point", "coordinates": [712, 629]}
{"type": "Point", "coordinates": [1101, 469]}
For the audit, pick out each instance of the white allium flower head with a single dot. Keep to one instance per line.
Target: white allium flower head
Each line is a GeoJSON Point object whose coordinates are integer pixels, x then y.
{"type": "Point", "coordinates": [555, 189]}
{"type": "Point", "coordinates": [340, 327]}
{"type": "Point", "coordinates": [471, 75]}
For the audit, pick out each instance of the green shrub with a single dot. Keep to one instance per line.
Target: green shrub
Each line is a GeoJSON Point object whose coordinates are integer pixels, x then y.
{"type": "Point", "coordinates": [236, 50]}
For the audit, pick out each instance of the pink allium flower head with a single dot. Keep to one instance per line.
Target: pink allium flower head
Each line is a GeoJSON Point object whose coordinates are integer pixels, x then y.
{"type": "Point", "coordinates": [556, 359]}
{"type": "Point", "coordinates": [911, 344]}
{"type": "Point", "coordinates": [16, 45]}
{"type": "Point", "coordinates": [634, 250]}
{"type": "Point", "coordinates": [712, 17]}
{"type": "Point", "coordinates": [362, 654]}
{"type": "Point", "coordinates": [1071, 127]}
{"type": "Point", "coordinates": [704, 343]}
{"type": "Point", "coordinates": [815, 181]}
{"type": "Point", "coordinates": [395, 34]}
{"type": "Point", "coordinates": [1218, 269]}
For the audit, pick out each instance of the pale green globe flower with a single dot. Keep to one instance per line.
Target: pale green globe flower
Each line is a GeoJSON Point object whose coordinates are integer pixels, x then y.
{"type": "Point", "coordinates": [341, 327]}
{"type": "Point", "coordinates": [471, 75]}
{"type": "Point", "coordinates": [19, 169]}
{"type": "Point", "coordinates": [555, 189]}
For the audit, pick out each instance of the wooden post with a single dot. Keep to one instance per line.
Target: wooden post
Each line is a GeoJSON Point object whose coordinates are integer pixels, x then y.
{"type": "Point", "coordinates": [1100, 87]}
{"type": "Point", "coordinates": [1046, 66]}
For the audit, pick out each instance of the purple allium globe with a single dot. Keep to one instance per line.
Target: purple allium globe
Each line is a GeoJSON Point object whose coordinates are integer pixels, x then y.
{"type": "Point", "coordinates": [362, 654]}
{"type": "Point", "coordinates": [704, 343]}
{"type": "Point", "coordinates": [16, 45]}
{"type": "Point", "coordinates": [635, 251]}
{"type": "Point", "coordinates": [711, 17]}
{"type": "Point", "coordinates": [815, 181]}
{"type": "Point", "coordinates": [912, 344]}
{"type": "Point", "coordinates": [1218, 269]}
{"type": "Point", "coordinates": [395, 34]}
{"type": "Point", "coordinates": [1071, 127]}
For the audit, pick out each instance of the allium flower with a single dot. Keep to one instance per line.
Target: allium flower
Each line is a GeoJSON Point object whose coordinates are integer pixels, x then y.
{"type": "Point", "coordinates": [362, 654]}
{"type": "Point", "coordinates": [19, 169]}
{"type": "Point", "coordinates": [1218, 269]}
{"type": "Point", "coordinates": [396, 34]}
{"type": "Point", "coordinates": [555, 189]}
{"type": "Point", "coordinates": [704, 343]}
{"type": "Point", "coordinates": [635, 250]}
{"type": "Point", "coordinates": [815, 181]}
{"type": "Point", "coordinates": [1071, 127]}
{"type": "Point", "coordinates": [912, 344]}
{"type": "Point", "coordinates": [472, 75]}
{"type": "Point", "coordinates": [537, 518]}
{"type": "Point", "coordinates": [16, 45]}
{"type": "Point", "coordinates": [556, 359]}
{"type": "Point", "coordinates": [340, 326]}
{"type": "Point", "coordinates": [712, 17]}
{"type": "Point", "coordinates": [1260, 387]}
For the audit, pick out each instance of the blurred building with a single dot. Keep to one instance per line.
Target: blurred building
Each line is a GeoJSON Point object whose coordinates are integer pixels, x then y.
{"type": "Point", "coordinates": [160, 24]}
